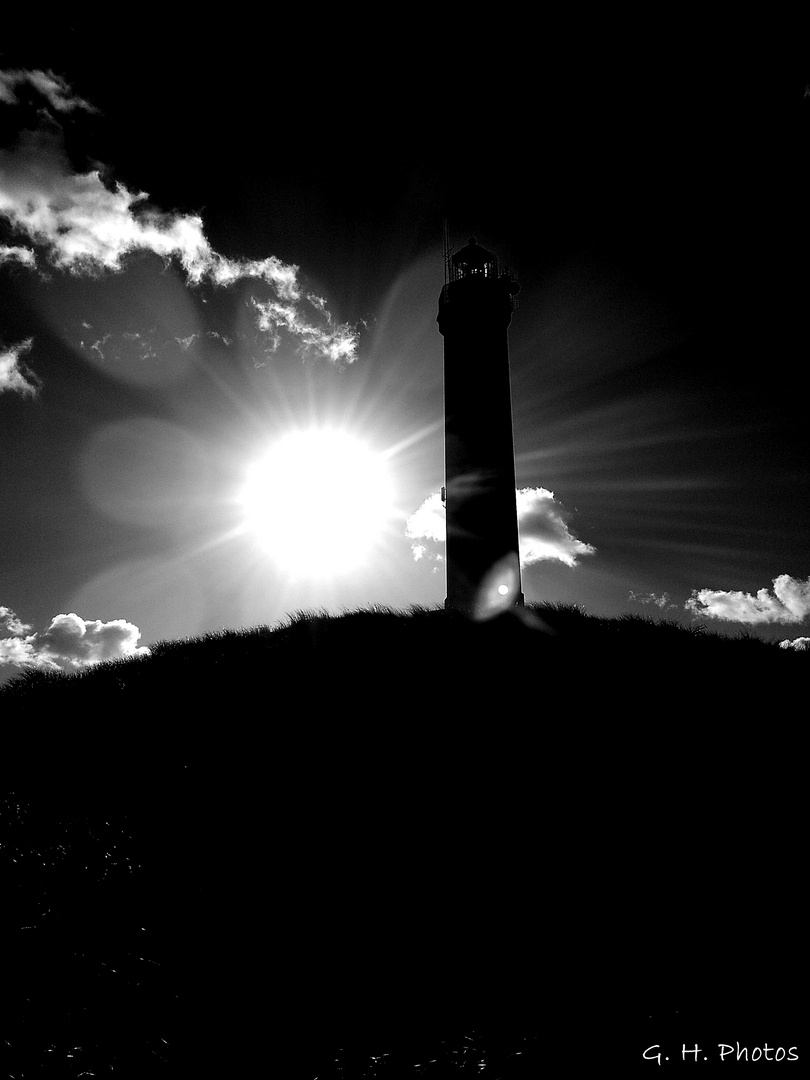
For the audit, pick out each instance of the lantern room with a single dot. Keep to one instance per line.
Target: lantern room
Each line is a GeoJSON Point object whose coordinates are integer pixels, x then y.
{"type": "Point", "coordinates": [473, 261]}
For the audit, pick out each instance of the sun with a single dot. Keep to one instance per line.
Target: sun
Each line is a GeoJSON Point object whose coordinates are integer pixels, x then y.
{"type": "Point", "coordinates": [318, 502]}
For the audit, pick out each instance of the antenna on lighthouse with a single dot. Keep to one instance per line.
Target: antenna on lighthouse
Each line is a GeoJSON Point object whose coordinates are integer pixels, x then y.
{"type": "Point", "coordinates": [447, 252]}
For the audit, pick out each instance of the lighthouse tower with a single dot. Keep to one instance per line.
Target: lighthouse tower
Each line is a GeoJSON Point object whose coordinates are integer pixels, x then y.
{"type": "Point", "coordinates": [475, 309]}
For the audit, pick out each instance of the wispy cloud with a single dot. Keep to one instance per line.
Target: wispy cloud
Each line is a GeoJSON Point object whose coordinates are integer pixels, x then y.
{"type": "Point", "coordinates": [14, 375]}
{"type": "Point", "coordinates": [70, 643]}
{"type": "Point", "coordinates": [122, 344]}
{"type": "Point", "coordinates": [54, 88]}
{"type": "Point", "coordinates": [337, 343]}
{"type": "Point", "coordinates": [789, 603]}
{"type": "Point", "coordinates": [86, 223]}
{"type": "Point", "coordinates": [542, 523]}
{"type": "Point", "coordinates": [659, 600]}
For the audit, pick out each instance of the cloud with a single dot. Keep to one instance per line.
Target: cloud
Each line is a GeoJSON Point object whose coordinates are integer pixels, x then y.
{"type": "Point", "coordinates": [800, 644]}
{"type": "Point", "coordinates": [86, 223]}
{"type": "Point", "coordinates": [428, 523]}
{"type": "Point", "coordinates": [124, 343]}
{"type": "Point", "coordinates": [11, 624]}
{"type": "Point", "coordinates": [14, 375]}
{"type": "Point", "coordinates": [661, 601]}
{"type": "Point", "coordinates": [789, 603]}
{"type": "Point", "coordinates": [19, 652]}
{"type": "Point", "coordinates": [337, 343]}
{"type": "Point", "coordinates": [17, 254]}
{"type": "Point", "coordinates": [69, 644]}
{"type": "Point", "coordinates": [542, 522]}
{"type": "Point", "coordinates": [54, 88]}
{"type": "Point", "coordinates": [544, 532]}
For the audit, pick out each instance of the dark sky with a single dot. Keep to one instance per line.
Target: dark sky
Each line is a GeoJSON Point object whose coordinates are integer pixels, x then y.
{"type": "Point", "coordinates": [651, 198]}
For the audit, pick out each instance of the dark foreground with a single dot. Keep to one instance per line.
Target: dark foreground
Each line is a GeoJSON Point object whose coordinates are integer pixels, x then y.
{"type": "Point", "coordinates": [402, 853]}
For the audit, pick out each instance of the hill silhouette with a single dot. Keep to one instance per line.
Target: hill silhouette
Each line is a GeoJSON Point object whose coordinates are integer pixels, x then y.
{"type": "Point", "coordinates": [369, 645]}
{"type": "Point", "coordinates": [346, 844]}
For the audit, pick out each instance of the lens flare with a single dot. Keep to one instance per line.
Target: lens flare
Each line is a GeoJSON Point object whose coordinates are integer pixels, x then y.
{"type": "Point", "coordinates": [500, 589]}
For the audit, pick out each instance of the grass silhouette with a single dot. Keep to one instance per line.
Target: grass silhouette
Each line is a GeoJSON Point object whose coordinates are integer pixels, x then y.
{"type": "Point", "coordinates": [439, 650]}
{"type": "Point", "coordinates": [353, 845]}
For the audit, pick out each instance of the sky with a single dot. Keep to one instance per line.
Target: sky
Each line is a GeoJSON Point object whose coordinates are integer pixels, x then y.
{"type": "Point", "coordinates": [221, 252]}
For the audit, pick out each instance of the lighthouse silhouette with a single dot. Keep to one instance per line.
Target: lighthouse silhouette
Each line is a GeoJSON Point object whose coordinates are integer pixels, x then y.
{"type": "Point", "coordinates": [482, 559]}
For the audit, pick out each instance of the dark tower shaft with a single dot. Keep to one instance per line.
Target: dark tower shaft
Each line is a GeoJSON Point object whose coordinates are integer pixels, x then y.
{"type": "Point", "coordinates": [475, 309]}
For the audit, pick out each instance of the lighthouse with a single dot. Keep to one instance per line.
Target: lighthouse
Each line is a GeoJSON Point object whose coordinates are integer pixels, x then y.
{"type": "Point", "coordinates": [482, 559]}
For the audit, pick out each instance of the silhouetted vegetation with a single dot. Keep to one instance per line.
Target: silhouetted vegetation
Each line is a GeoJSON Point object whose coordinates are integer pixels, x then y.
{"type": "Point", "coordinates": [353, 845]}
{"type": "Point", "coordinates": [365, 648]}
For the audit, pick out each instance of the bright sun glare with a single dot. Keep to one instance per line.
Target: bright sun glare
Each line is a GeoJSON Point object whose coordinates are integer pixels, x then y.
{"type": "Point", "coordinates": [318, 502]}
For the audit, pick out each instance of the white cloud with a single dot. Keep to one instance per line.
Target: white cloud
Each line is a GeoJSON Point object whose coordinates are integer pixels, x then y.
{"type": "Point", "coordinates": [70, 643]}
{"type": "Point", "coordinates": [544, 532]}
{"type": "Point", "coordinates": [19, 652]}
{"type": "Point", "coordinates": [17, 254]}
{"type": "Point", "coordinates": [800, 644]}
{"type": "Point", "coordinates": [54, 88]}
{"type": "Point", "coordinates": [86, 224]}
{"type": "Point", "coordinates": [14, 375]}
{"type": "Point", "coordinates": [337, 343]}
{"type": "Point", "coordinates": [427, 523]}
{"type": "Point", "coordinates": [542, 523]}
{"type": "Point", "coordinates": [789, 603]}
{"type": "Point", "coordinates": [11, 624]}
{"type": "Point", "coordinates": [73, 641]}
